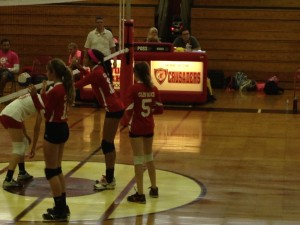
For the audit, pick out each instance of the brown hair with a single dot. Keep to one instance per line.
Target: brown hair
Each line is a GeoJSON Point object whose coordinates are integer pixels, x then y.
{"type": "Point", "coordinates": [62, 72]}
{"type": "Point", "coordinates": [142, 71]}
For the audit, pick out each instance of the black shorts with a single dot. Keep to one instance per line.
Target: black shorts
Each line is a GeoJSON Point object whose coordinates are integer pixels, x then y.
{"type": "Point", "coordinates": [56, 133]}
{"type": "Point", "coordinates": [140, 135]}
{"type": "Point", "coordinates": [116, 115]}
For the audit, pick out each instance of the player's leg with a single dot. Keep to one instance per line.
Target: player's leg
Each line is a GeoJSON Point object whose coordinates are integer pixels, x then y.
{"type": "Point", "coordinates": [138, 159]}
{"type": "Point", "coordinates": [110, 128]}
{"type": "Point", "coordinates": [52, 154]}
{"type": "Point", "coordinates": [149, 160]}
{"type": "Point", "coordinates": [23, 174]}
{"type": "Point", "coordinates": [18, 151]}
{"type": "Point", "coordinates": [55, 137]}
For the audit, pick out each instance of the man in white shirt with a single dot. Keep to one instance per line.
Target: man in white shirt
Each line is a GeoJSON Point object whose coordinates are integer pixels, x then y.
{"type": "Point", "coordinates": [102, 40]}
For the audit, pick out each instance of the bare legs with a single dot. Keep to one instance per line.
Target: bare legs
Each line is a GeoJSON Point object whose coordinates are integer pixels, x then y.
{"type": "Point", "coordinates": [141, 147]}
{"type": "Point", "coordinates": [53, 157]}
{"type": "Point", "coordinates": [17, 138]}
{"type": "Point", "coordinates": [110, 129]}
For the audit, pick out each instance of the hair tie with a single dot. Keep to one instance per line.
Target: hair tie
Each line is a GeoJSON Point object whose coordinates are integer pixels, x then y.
{"type": "Point", "coordinates": [92, 55]}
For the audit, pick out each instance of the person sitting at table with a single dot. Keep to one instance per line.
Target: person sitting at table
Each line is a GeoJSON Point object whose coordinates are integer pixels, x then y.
{"type": "Point", "coordinates": [185, 39]}
{"type": "Point", "coordinates": [153, 35]}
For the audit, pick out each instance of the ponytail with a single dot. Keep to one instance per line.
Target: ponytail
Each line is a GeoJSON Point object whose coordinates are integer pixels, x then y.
{"type": "Point", "coordinates": [65, 75]}
{"type": "Point", "coordinates": [142, 71]}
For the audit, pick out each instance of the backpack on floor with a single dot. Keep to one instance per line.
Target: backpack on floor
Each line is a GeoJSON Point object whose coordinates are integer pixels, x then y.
{"type": "Point", "coordinates": [240, 81]}
{"type": "Point", "coordinates": [271, 88]}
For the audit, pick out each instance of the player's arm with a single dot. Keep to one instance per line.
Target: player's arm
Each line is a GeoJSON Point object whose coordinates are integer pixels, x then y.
{"type": "Point", "coordinates": [84, 81]}
{"type": "Point", "coordinates": [25, 134]}
{"type": "Point", "coordinates": [129, 106]}
{"type": "Point", "coordinates": [36, 132]}
{"type": "Point", "coordinates": [158, 105]}
{"type": "Point", "coordinates": [38, 101]}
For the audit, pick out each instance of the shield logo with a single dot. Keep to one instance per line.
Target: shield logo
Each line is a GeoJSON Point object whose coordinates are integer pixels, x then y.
{"type": "Point", "coordinates": [160, 75]}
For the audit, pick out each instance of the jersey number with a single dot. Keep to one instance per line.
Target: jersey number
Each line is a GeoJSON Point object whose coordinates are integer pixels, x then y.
{"type": "Point", "coordinates": [146, 106]}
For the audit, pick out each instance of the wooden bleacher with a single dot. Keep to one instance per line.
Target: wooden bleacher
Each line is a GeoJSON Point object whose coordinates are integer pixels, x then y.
{"type": "Point", "coordinates": [47, 29]}
{"type": "Point", "coordinates": [260, 38]}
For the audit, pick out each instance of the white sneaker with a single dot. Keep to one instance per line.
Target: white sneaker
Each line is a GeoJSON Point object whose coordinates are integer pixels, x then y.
{"type": "Point", "coordinates": [102, 184]}
{"type": "Point", "coordinates": [11, 184]}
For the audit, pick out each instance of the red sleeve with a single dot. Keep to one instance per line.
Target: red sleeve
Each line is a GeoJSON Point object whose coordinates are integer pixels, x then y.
{"type": "Point", "coordinates": [84, 81]}
{"type": "Point", "coordinates": [83, 71]}
{"type": "Point", "coordinates": [129, 105]}
{"type": "Point", "coordinates": [39, 103]}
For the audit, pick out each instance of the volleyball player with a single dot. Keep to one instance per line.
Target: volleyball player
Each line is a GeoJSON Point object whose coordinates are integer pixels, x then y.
{"type": "Point", "coordinates": [54, 105]}
{"type": "Point", "coordinates": [142, 102]}
{"type": "Point", "coordinates": [103, 89]}
{"type": "Point", "coordinates": [12, 118]}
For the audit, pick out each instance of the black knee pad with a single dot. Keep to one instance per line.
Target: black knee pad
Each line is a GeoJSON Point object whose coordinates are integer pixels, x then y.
{"type": "Point", "coordinates": [59, 170]}
{"type": "Point", "coordinates": [50, 173]}
{"type": "Point", "coordinates": [107, 147]}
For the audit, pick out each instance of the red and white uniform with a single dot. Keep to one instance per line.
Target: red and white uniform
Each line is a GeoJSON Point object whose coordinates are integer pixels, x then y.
{"type": "Point", "coordinates": [20, 109]}
{"type": "Point", "coordinates": [141, 103]}
{"type": "Point", "coordinates": [9, 60]}
{"type": "Point", "coordinates": [102, 88]}
{"type": "Point", "coordinates": [53, 104]}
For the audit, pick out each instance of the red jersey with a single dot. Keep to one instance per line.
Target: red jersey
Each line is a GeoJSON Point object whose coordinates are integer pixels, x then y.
{"type": "Point", "coordinates": [8, 59]}
{"type": "Point", "coordinates": [141, 103]}
{"type": "Point", "coordinates": [103, 89]}
{"type": "Point", "coordinates": [53, 104]}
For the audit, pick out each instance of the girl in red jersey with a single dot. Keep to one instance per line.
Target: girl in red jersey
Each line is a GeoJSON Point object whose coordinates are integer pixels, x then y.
{"type": "Point", "coordinates": [54, 105]}
{"type": "Point", "coordinates": [104, 91]}
{"type": "Point", "coordinates": [142, 102]}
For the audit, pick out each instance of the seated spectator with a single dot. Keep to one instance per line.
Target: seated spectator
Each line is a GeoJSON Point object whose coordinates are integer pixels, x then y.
{"type": "Point", "coordinates": [9, 64]}
{"type": "Point", "coordinates": [185, 39]}
{"type": "Point", "coordinates": [153, 35]}
{"type": "Point", "coordinates": [74, 55]}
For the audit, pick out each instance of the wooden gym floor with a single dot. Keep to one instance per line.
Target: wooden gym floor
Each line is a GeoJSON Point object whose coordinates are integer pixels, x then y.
{"type": "Point", "coordinates": [231, 162]}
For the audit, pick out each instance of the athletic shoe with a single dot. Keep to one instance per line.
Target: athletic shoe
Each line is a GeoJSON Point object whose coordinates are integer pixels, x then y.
{"type": "Point", "coordinates": [11, 184]}
{"type": "Point", "coordinates": [24, 177]}
{"type": "Point", "coordinates": [153, 192]}
{"type": "Point", "coordinates": [51, 210]}
{"type": "Point", "coordinates": [137, 198]}
{"type": "Point", "coordinates": [55, 216]}
{"type": "Point", "coordinates": [102, 184]}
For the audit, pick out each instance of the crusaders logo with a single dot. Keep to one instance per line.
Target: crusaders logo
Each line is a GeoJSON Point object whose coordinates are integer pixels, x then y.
{"type": "Point", "coordinates": [160, 75]}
